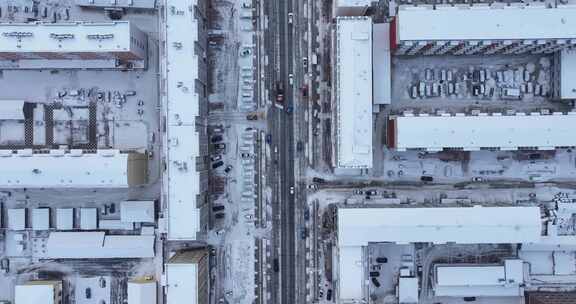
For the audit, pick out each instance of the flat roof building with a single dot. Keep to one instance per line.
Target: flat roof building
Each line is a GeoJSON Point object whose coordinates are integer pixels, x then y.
{"type": "Point", "coordinates": [495, 29]}
{"type": "Point", "coordinates": [65, 218]}
{"type": "Point", "coordinates": [185, 105]}
{"type": "Point", "coordinates": [382, 64]}
{"type": "Point", "coordinates": [353, 93]}
{"type": "Point", "coordinates": [72, 45]}
{"type": "Point", "coordinates": [470, 133]}
{"type": "Point", "coordinates": [139, 4]}
{"type": "Point", "coordinates": [72, 169]}
{"type": "Point", "coordinates": [479, 280]}
{"type": "Point", "coordinates": [187, 277]}
{"type": "Point", "coordinates": [142, 292]}
{"type": "Point", "coordinates": [564, 75]}
{"type": "Point", "coordinates": [97, 245]}
{"type": "Point", "coordinates": [352, 7]}
{"type": "Point", "coordinates": [17, 219]}
{"type": "Point", "coordinates": [39, 292]}
{"type": "Point", "coordinates": [137, 211]}
{"type": "Point", "coordinates": [40, 218]}
{"type": "Point", "coordinates": [356, 227]}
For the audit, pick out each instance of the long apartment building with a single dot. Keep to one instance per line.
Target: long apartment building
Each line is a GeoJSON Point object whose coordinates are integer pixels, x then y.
{"type": "Point", "coordinates": [353, 93]}
{"type": "Point", "coordinates": [38, 45]}
{"type": "Point", "coordinates": [184, 97]}
{"type": "Point", "coordinates": [496, 29]}
{"type": "Point", "coordinates": [533, 131]}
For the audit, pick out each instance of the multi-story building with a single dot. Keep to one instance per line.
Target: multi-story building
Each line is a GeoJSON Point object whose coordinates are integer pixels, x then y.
{"type": "Point", "coordinates": [357, 227]}
{"type": "Point", "coordinates": [72, 169]}
{"type": "Point", "coordinates": [187, 277]}
{"type": "Point", "coordinates": [38, 45]}
{"type": "Point", "coordinates": [469, 133]}
{"type": "Point", "coordinates": [353, 93]}
{"type": "Point", "coordinates": [495, 29]}
{"type": "Point", "coordinates": [39, 292]}
{"type": "Point", "coordinates": [184, 98]}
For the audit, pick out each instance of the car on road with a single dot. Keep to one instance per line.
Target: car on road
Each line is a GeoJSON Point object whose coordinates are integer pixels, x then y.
{"type": "Point", "coordinates": [219, 215]}
{"type": "Point", "coordinates": [102, 282]}
{"type": "Point", "coordinates": [478, 179]}
{"type": "Point", "coordinates": [245, 155]}
{"type": "Point", "coordinates": [289, 110]}
{"type": "Point", "coordinates": [292, 190]}
{"type": "Point", "coordinates": [216, 158]}
{"type": "Point", "coordinates": [216, 138]}
{"type": "Point", "coordinates": [290, 18]}
{"type": "Point", "coordinates": [318, 180]}
{"type": "Point", "coordinates": [248, 216]}
{"type": "Point", "coordinates": [371, 192]}
{"type": "Point", "coordinates": [217, 164]}
{"type": "Point", "coordinates": [299, 146]}
{"type": "Point", "coordinates": [276, 265]}
{"type": "Point", "coordinates": [382, 260]}
{"type": "Point", "coordinates": [358, 192]}
{"type": "Point", "coordinates": [218, 208]}
{"type": "Point", "coordinates": [329, 295]}
{"type": "Point", "coordinates": [252, 116]}
{"type": "Point", "coordinates": [88, 293]}
{"type": "Point", "coordinates": [268, 138]}
{"type": "Point", "coordinates": [219, 146]}
{"type": "Point", "coordinates": [304, 233]}
{"type": "Point", "coordinates": [291, 79]}
{"type": "Point", "coordinates": [220, 232]}
{"type": "Point", "coordinates": [217, 130]}
{"type": "Point", "coordinates": [313, 187]}
{"type": "Point", "coordinates": [374, 274]}
{"type": "Point", "coordinates": [228, 169]}
{"type": "Point", "coordinates": [426, 178]}
{"type": "Point", "coordinates": [305, 62]}
{"type": "Point", "coordinates": [375, 282]}
{"type": "Point", "coordinates": [306, 214]}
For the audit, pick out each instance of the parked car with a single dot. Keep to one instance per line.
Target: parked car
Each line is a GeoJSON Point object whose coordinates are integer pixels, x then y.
{"type": "Point", "coordinates": [216, 158]}
{"type": "Point", "coordinates": [291, 190]}
{"type": "Point", "coordinates": [375, 282]}
{"type": "Point", "coordinates": [245, 155]}
{"type": "Point", "coordinates": [313, 187]}
{"type": "Point", "coordinates": [216, 138]}
{"type": "Point", "coordinates": [358, 192]}
{"type": "Point", "coordinates": [268, 138]}
{"type": "Point", "coordinates": [217, 164]}
{"type": "Point", "coordinates": [88, 293]}
{"type": "Point", "coordinates": [304, 233]}
{"type": "Point", "coordinates": [252, 116]}
{"type": "Point", "coordinates": [299, 146]}
{"type": "Point", "coordinates": [478, 179]}
{"type": "Point", "coordinates": [371, 192]}
{"type": "Point", "coordinates": [374, 274]}
{"type": "Point", "coordinates": [228, 169]}
{"type": "Point", "coordinates": [219, 215]}
{"type": "Point", "coordinates": [218, 208]}
{"type": "Point", "coordinates": [220, 146]}
{"type": "Point", "coordinates": [426, 178]}
{"type": "Point", "coordinates": [318, 180]}
{"type": "Point", "coordinates": [276, 265]}
{"type": "Point", "coordinates": [382, 260]}
{"type": "Point", "coordinates": [329, 295]}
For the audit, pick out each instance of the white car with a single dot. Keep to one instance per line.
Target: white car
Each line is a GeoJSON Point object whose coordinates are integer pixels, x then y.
{"type": "Point", "coordinates": [291, 79]}
{"type": "Point", "coordinates": [291, 190]}
{"type": "Point", "coordinates": [290, 18]}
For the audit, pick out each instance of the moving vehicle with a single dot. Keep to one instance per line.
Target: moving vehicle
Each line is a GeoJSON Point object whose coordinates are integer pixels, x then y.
{"type": "Point", "coordinates": [279, 92]}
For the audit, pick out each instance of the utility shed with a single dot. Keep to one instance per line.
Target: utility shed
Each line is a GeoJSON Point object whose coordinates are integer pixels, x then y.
{"type": "Point", "coordinates": [479, 280]}
{"type": "Point", "coordinates": [65, 218]}
{"type": "Point", "coordinates": [142, 292]}
{"type": "Point", "coordinates": [381, 64]}
{"type": "Point", "coordinates": [88, 218]}
{"type": "Point", "coordinates": [137, 211]}
{"type": "Point", "coordinates": [353, 93]}
{"type": "Point", "coordinates": [97, 245]}
{"type": "Point", "coordinates": [469, 133]}
{"type": "Point", "coordinates": [72, 169]}
{"type": "Point", "coordinates": [41, 219]}
{"type": "Point", "coordinates": [461, 225]}
{"type": "Point", "coordinates": [17, 219]}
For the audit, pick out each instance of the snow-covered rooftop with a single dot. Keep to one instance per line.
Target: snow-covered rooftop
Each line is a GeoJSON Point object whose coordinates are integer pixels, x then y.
{"type": "Point", "coordinates": [408, 290]}
{"type": "Point", "coordinates": [182, 180]}
{"type": "Point", "coordinates": [142, 292]}
{"type": "Point", "coordinates": [350, 272]}
{"type": "Point", "coordinates": [463, 225]}
{"type": "Point", "coordinates": [352, 3]}
{"type": "Point", "coordinates": [11, 109]}
{"type": "Point", "coordinates": [485, 131]}
{"type": "Point", "coordinates": [382, 82]}
{"type": "Point", "coordinates": [97, 245]}
{"type": "Point", "coordinates": [137, 211]}
{"type": "Point", "coordinates": [568, 74]}
{"type": "Point", "coordinates": [35, 294]}
{"type": "Point", "coordinates": [65, 37]}
{"type": "Point", "coordinates": [57, 169]}
{"type": "Point", "coordinates": [182, 283]}
{"type": "Point", "coordinates": [118, 3]}
{"type": "Point", "coordinates": [480, 280]}
{"type": "Point", "coordinates": [485, 23]}
{"type": "Point", "coordinates": [354, 92]}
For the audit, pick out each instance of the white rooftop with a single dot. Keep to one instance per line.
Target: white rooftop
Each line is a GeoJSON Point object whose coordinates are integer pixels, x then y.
{"type": "Point", "coordinates": [34, 294]}
{"type": "Point", "coordinates": [97, 245]}
{"type": "Point", "coordinates": [137, 211]}
{"type": "Point", "coordinates": [494, 131]}
{"type": "Point", "coordinates": [142, 292]}
{"type": "Point", "coordinates": [354, 92]}
{"type": "Point", "coordinates": [65, 37]}
{"type": "Point", "coordinates": [181, 283]}
{"type": "Point", "coordinates": [181, 103]}
{"type": "Point", "coordinates": [88, 218]}
{"type": "Point", "coordinates": [408, 290]}
{"type": "Point", "coordinates": [479, 280]}
{"type": "Point", "coordinates": [107, 168]}
{"type": "Point", "coordinates": [352, 3]}
{"type": "Point", "coordinates": [11, 109]}
{"type": "Point", "coordinates": [483, 23]}
{"type": "Point", "coordinates": [40, 218]}
{"type": "Point", "coordinates": [64, 218]}
{"type": "Point", "coordinates": [350, 272]}
{"type": "Point", "coordinates": [463, 225]}
{"type": "Point", "coordinates": [118, 3]}
{"type": "Point", "coordinates": [17, 219]}
{"type": "Point", "coordinates": [568, 74]}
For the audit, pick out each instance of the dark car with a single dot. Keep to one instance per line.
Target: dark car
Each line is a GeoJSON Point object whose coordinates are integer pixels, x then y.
{"type": "Point", "coordinates": [252, 116]}
{"type": "Point", "coordinates": [329, 295]}
{"type": "Point", "coordinates": [299, 146]}
{"type": "Point", "coordinates": [228, 169]}
{"type": "Point", "coordinates": [371, 192]}
{"type": "Point", "coordinates": [289, 110]}
{"type": "Point", "coordinates": [469, 299]}
{"type": "Point", "coordinates": [375, 282]}
{"type": "Point", "coordinates": [304, 233]}
{"type": "Point", "coordinates": [217, 164]}
{"type": "Point", "coordinates": [216, 138]}
{"type": "Point", "coordinates": [276, 265]}
{"type": "Point", "coordinates": [374, 274]}
{"type": "Point", "coordinates": [88, 292]}
{"type": "Point", "coordinates": [218, 208]}
{"type": "Point", "coordinates": [219, 215]}
{"type": "Point", "coordinates": [318, 180]}
{"type": "Point", "coordinates": [381, 260]}
{"type": "Point", "coordinates": [426, 178]}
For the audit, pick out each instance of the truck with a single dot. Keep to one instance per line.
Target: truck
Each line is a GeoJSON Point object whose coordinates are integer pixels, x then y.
{"type": "Point", "coordinates": [279, 92]}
